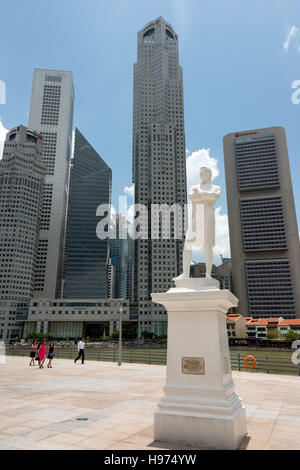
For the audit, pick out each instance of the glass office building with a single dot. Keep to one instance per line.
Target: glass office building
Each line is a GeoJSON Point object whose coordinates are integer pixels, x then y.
{"type": "Point", "coordinates": [122, 256]}
{"type": "Point", "coordinates": [85, 253]}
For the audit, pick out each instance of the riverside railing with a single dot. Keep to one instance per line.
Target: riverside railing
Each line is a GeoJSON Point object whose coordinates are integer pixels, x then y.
{"type": "Point", "coordinates": [265, 362]}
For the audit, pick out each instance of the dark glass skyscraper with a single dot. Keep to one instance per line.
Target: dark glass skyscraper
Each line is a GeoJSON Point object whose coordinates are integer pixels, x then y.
{"type": "Point", "coordinates": [122, 256]}
{"type": "Point", "coordinates": [86, 254]}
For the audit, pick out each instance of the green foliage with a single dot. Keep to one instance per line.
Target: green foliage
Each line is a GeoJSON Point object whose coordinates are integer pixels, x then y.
{"type": "Point", "coordinates": [47, 336]}
{"type": "Point", "coordinates": [292, 336]}
{"type": "Point", "coordinates": [129, 333]}
{"type": "Point", "coordinates": [39, 336]}
{"type": "Point", "coordinates": [272, 335]}
{"type": "Point", "coordinates": [31, 335]}
{"type": "Point", "coordinates": [115, 335]}
{"type": "Point", "coordinates": [147, 334]}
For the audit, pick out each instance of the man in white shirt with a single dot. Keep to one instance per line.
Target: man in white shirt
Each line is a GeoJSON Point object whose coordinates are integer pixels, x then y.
{"type": "Point", "coordinates": [80, 348]}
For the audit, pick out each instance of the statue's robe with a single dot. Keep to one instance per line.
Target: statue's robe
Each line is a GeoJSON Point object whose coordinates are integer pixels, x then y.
{"type": "Point", "coordinates": [201, 230]}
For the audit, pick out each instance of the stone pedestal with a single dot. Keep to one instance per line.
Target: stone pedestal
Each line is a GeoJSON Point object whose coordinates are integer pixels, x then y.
{"type": "Point", "coordinates": [200, 407]}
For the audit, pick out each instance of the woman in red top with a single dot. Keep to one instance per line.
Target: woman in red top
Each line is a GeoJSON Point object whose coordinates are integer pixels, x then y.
{"type": "Point", "coordinates": [42, 354]}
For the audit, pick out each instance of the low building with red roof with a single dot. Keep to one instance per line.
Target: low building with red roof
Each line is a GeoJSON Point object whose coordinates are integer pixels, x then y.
{"type": "Point", "coordinates": [289, 325]}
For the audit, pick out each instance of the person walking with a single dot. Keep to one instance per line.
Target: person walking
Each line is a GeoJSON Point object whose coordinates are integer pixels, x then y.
{"type": "Point", "coordinates": [42, 354]}
{"type": "Point", "coordinates": [50, 355]}
{"type": "Point", "coordinates": [33, 352]}
{"type": "Point", "coordinates": [80, 348]}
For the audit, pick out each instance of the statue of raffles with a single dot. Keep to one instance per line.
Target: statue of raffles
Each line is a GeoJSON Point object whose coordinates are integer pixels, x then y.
{"type": "Point", "coordinates": [201, 230]}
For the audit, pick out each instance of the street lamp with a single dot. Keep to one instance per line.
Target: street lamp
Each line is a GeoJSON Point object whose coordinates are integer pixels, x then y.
{"type": "Point", "coordinates": [120, 336]}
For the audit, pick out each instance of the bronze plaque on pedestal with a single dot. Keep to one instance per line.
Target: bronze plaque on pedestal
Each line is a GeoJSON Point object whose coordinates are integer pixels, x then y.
{"type": "Point", "coordinates": [193, 365]}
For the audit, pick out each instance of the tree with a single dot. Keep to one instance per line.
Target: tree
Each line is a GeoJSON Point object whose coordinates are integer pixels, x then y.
{"type": "Point", "coordinates": [31, 335]}
{"type": "Point", "coordinates": [115, 335]}
{"type": "Point", "coordinates": [272, 335]}
{"type": "Point", "coordinates": [129, 333]}
{"type": "Point", "coordinates": [291, 336]}
{"type": "Point", "coordinates": [48, 336]}
{"type": "Point", "coordinates": [147, 334]}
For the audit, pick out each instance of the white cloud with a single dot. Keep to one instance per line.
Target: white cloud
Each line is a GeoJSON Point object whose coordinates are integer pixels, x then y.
{"type": "Point", "coordinates": [293, 34]}
{"type": "Point", "coordinates": [127, 211]}
{"type": "Point", "coordinates": [222, 235]}
{"type": "Point", "coordinates": [197, 159]}
{"type": "Point", "coordinates": [129, 190]}
{"type": "Point", "coordinates": [3, 132]}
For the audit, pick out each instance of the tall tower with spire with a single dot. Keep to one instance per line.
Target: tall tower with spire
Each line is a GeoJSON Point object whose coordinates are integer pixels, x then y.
{"type": "Point", "coordinates": [159, 162]}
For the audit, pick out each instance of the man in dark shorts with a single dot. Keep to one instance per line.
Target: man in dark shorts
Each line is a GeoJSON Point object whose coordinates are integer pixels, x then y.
{"type": "Point", "coordinates": [80, 348]}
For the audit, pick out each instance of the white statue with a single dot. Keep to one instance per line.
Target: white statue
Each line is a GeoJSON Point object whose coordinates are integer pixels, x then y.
{"type": "Point", "coordinates": [201, 230]}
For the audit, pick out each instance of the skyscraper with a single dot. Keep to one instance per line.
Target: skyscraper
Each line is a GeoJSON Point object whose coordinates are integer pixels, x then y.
{"type": "Point", "coordinates": [51, 114]}
{"type": "Point", "coordinates": [22, 175]}
{"type": "Point", "coordinates": [159, 161]}
{"type": "Point", "coordinates": [263, 228]}
{"type": "Point", "coordinates": [122, 253]}
{"type": "Point", "coordinates": [86, 254]}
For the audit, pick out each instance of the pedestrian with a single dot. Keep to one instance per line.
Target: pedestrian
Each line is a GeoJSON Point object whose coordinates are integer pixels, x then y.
{"type": "Point", "coordinates": [33, 352]}
{"type": "Point", "coordinates": [42, 354]}
{"type": "Point", "coordinates": [50, 355]}
{"type": "Point", "coordinates": [80, 348]}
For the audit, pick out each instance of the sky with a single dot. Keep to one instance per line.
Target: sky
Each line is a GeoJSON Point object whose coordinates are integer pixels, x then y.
{"type": "Point", "coordinates": [240, 62]}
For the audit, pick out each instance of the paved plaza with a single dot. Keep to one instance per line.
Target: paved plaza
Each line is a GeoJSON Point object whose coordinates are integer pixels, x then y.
{"type": "Point", "coordinates": [39, 409]}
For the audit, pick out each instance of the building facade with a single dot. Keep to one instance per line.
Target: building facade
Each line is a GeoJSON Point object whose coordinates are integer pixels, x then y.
{"type": "Point", "coordinates": [22, 174]}
{"type": "Point", "coordinates": [73, 318]}
{"type": "Point", "coordinates": [264, 237]}
{"type": "Point", "coordinates": [121, 256]}
{"type": "Point", "coordinates": [199, 270]}
{"type": "Point", "coordinates": [285, 326]}
{"type": "Point", "coordinates": [85, 254]}
{"type": "Point", "coordinates": [224, 272]}
{"type": "Point", "coordinates": [159, 163]}
{"type": "Point", "coordinates": [51, 114]}
{"type": "Point", "coordinates": [236, 326]}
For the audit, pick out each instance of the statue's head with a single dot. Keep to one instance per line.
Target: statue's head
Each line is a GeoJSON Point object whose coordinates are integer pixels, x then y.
{"type": "Point", "coordinates": [205, 175]}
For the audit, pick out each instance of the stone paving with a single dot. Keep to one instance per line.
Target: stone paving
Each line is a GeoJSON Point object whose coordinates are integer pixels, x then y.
{"type": "Point", "coordinates": [39, 409]}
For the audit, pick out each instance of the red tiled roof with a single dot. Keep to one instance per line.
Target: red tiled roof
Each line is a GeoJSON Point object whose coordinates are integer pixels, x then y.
{"type": "Point", "coordinates": [274, 322]}
{"type": "Point", "coordinates": [262, 322]}
{"type": "Point", "coordinates": [292, 322]}
{"type": "Point", "coordinates": [233, 317]}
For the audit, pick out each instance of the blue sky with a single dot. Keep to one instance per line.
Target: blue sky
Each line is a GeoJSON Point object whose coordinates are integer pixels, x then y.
{"type": "Point", "coordinates": [239, 61]}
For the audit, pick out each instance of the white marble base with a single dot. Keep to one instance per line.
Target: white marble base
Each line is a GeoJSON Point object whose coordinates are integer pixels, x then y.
{"type": "Point", "coordinates": [206, 433]}
{"type": "Point", "coordinates": [196, 283]}
{"type": "Point", "coordinates": [200, 407]}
